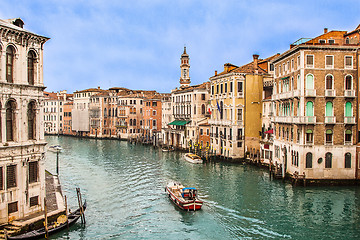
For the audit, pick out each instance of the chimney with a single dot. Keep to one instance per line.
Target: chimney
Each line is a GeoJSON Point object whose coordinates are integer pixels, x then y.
{"type": "Point", "coordinates": [99, 87]}
{"type": "Point", "coordinates": [256, 60]}
{"type": "Point", "coordinates": [325, 30]}
{"type": "Point", "coordinates": [215, 73]}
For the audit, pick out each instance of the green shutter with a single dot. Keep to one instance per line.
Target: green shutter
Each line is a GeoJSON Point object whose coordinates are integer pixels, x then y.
{"type": "Point", "coordinates": [309, 131]}
{"type": "Point", "coordinates": [329, 131]}
{"type": "Point", "coordinates": [348, 109]}
{"type": "Point", "coordinates": [309, 81]}
{"type": "Point", "coordinates": [329, 109]}
{"type": "Point", "coordinates": [309, 109]}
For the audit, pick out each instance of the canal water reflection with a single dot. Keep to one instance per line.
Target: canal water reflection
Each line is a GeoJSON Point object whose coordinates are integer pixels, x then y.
{"type": "Point", "coordinates": [124, 188]}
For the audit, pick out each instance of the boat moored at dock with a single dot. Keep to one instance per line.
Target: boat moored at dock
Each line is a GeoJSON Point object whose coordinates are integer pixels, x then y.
{"type": "Point", "coordinates": [185, 198]}
{"type": "Point", "coordinates": [193, 158]}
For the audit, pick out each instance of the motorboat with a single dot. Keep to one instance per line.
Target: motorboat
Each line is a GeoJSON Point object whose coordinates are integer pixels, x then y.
{"type": "Point", "coordinates": [167, 149]}
{"type": "Point", "coordinates": [193, 158]}
{"type": "Point", "coordinates": [185, 198]}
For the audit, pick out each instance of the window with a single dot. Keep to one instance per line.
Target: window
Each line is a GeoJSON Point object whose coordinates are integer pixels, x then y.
{"type": "Point", "coordinates": [347, 160]}
{"type": "Point", "coordinates": [309, 109]}
{"type": "Point", "coordinates": [203, 96]}
{"type": "Point", "coordinates": [11, 176]}
{"type": "Point", "coordinates": [348, 82]}
{"type": "Point", "coordinates": [240, 87]}
{"type": "Point", "coordinates": [328, 160]}
{"type": "Point", "coordinates": [154, 112]}
{"type": "Point", "coordinates": [310, 61]}
{"type": "Point", "coordinates": [347, 40]}
{"type": "Point", "coordinates": [1, 179]}
{"type": "Point", "coordinates": [309, 81]}
{"type": "Point", "coordinates": [212, 90]}
{"type": "Point", "coordinates": [10, 120]}
{"type": "Point", "coordinates": [348, 61]}
{"type": "Point", "coordinates": [221, 88]}
{"type": "Point", "coordinates": [33, 172]}
{"type": "Point", "coordinates": [217, 89]}
{"type": "Point", "coordinates": [10, 64]}
{"type": "Point", "coordinates": [322, 41]}
{"type": "Point", "coordinates": [331, 41]}
{"type": "Point", "coordinates": [329, 61]}
{"type": "Point", "coordinates": [203, 109]}
{"type": "Point", "coordinates": [309, 136]}
{"type": "Point", "coordinates": [154, 104]}
{"type": "Point", "coordinates": [329, 109]}
{"type": "Point", "coordinates": [12, 207]}
{"type": "Point", "coordinates": [31, 120]}
{"type": "Point", "coordinates": [201, 131]}
{"type": "Point", "coordinates": [31, 67]}
{"type": "Point", "coordinates": [224, 89]}
{"type": "Point", "coordinates": [348, 136]}
{"type": "Point", "coordinates": [239, 115]}
{"type": "Point", "coordinates": [231, 86]}
{"type": "Point", "coordinates": [348, 109]}
{"type": "Point", "coordinates": [308, 160]}
{"type": "Point", "coordinates": [329, 136]}
{"type": "Point", "coordinates": [329, 82]}
{"type": "Point", "coordinates": [34, 201]}
{"type": "Point", "coordinates": [154, 123]}
{"type": "Point", "coordinates": [221, 110]}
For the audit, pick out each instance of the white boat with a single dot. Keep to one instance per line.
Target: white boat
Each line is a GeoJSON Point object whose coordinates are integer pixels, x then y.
{"type": "Point", "coordinates": [167, 149]}
{"type": "Point", "coordinates": [55, 148]}
{"type": "Point", "coordinates": [193, 158]}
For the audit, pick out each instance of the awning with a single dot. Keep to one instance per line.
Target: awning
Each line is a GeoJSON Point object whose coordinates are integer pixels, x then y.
{"type": "Point", "coordinates": [269, 131]}
{"type": "Point", "coordinates": [179, 122]}
{"type": "Point", "coordinates": [284, 78]}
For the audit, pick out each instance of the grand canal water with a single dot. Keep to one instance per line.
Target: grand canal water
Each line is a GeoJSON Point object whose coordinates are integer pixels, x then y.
{"type": "Point", "coordinates": [124, 187]}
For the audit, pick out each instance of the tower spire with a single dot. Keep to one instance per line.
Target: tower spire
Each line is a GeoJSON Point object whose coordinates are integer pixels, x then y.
{"type": "Point", "coordinates": [184, 66]}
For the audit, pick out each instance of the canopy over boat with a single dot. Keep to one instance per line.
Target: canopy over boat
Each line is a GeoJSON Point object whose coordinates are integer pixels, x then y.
{"type": "Point", "coordinates": [187, 188]}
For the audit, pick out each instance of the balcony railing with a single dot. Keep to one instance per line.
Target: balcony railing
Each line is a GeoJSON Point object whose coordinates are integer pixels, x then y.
{"type": "Point", "coordinates": [330, 93]}
{"type": "Point", "coordinates": [304, 119]}
{"type": "Point", "coordinates": [330, 119]}
{"type": "Point", "coordinates": [349, 93]}
{"type": "Point", "coordinates": [310, 92]}
{"type": "Point", "coordinates": [349, 120]}
{"type": "Point", "coordinates": [296, 93]}
{"type": "Point", "coordinates": [283, 119]}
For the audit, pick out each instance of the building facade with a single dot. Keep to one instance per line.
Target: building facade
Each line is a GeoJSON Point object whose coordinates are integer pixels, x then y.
{"type": "Point", "coordinates": [22, 173]}
{"type": "Point", "coordinates": [315, 108]}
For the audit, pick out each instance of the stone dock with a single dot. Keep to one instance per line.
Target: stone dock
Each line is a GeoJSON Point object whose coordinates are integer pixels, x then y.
{"type": "Point", "coordinates": [55, 207]}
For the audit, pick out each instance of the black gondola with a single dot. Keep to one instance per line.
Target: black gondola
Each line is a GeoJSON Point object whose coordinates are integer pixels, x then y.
{"type": "Point", "coordinates": [40, 233]}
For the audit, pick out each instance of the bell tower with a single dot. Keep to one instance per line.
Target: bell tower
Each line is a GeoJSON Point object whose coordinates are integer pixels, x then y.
{"type": "Point", "coordinates": [184, 77]}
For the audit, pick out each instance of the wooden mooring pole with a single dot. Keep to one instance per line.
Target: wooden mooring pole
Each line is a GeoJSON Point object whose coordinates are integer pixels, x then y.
{"type": "Point", "coordinates": [66, 213]}
{"type": "Point", "coordinates": [80, 206]}
{"type": "Point", "coordinates": [46, 220]}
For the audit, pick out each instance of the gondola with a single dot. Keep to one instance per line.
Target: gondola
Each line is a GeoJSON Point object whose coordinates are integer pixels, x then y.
{"type": "Point", "coordinates": [54, 228]}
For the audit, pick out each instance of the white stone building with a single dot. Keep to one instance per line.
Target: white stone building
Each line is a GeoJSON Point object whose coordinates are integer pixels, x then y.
{"type": "Point", "coordinates": [22, 173]}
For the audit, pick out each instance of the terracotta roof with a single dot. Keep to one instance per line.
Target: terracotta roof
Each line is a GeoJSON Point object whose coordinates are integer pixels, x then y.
{"type": "Point", "coordinates": [89, 90]}
{"type": "Point", "coordinates": [204, 85]}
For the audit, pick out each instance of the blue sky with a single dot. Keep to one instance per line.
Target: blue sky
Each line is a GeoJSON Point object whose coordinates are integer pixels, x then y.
{"type": "Point", "coordinates": [137, 44]}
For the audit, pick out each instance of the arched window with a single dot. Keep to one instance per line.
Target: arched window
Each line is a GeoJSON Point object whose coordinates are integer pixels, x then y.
{"type": "Point", "coordinates": [347, 160]}
{"type": "Point", "coordinates": [105, 111]}
{"type": "Point", "coordinates": [292, 83]}
{"type": "Point", "coordinates": [31, 120]}
{"type": "Point", "coordinates": [31, 67]}
{"type": "Point", "coordinates": [309, 160]}
{"type": "Point", "coordinates": [116, 114]}
{"type": "Point", "coordinates": [328, 160]}
{"type": "Point", "coordinates": [10, 120]}
{"type": "Point", "coordinates": [348, 136]}
{"type": "Point", "coordinates": [203, 109]}
{"type": "Point", "coordinates": [134, 122]}
{"type": "Point", "coordinates": [109, 112]}
{"type": "Point", "coordinates": [309, 109]}
{"type": "Point", "coordinates": [329, 82]}
{"type": "Point", "coordinates": [130, 122]}
{"type": "Point", "coordinates": [348, 109]}
{"type": "Point", "coordinates": [348, 82]}
{"type": "Point", "coordinates": [347, 40]}
{"type": "Point", "coordinates": [329, 109]}
{"type": "Point", "coordinates": [10, 64]}
{"type": "Point", "coordinates": [309, 136]}
{"type": "Point", "coordinates": [310, 81]}
{"type": "Point", "coordinates": [329, 136]}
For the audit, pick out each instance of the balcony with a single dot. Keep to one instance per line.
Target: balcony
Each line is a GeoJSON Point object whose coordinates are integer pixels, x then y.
{"type": "Point", "coordinates": [349, 120]}
{"type": "Point", "coordinates": [285, 95]}
{"type": "Point", "coordinates": [296, 93]}
{"type": "Point", "coordinates": [283, 119]}
{"type": "Point", "coordinates": [310, 92]}
{"type": "Point", "coordinates": [330, 120]}
{"type": "Point", "coordinates": [304, 119]}
{"type": "Point", "coordinates": [349, 93]}
{"type": "Point", "coordinates": [330, 93]}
